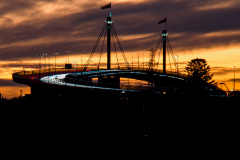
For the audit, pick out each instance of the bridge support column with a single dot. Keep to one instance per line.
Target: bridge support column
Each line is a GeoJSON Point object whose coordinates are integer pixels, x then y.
{"type": "Point", "coordinates": [109, 26]}
{"type": "Point", "coordinates": [109, 81]}
{"type": "Point", "coordinates": [164, 36]}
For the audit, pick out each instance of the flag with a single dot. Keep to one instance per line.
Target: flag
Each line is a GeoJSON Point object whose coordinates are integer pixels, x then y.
{"type": "Point", "coordinates": [106, 6]}
{"type": "Point", "coordinates": [163, 21]}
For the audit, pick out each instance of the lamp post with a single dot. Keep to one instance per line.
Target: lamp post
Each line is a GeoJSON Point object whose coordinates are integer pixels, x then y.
{"type": "Point", "coordinates": [143, 61]}
{"type": "Point", "coordinates": [40, 66]}
{"type": "Point", "coordinates": [75, 68]}
{"type": "Point", "coordinates": [81, 58]}
{"type": "Point", "coordinates": [45, 54]}
{"type": "Point", "coordinates": [68, 59]}
{"type": "Point", "coordinates": [177, 63]}
{"type": "Point", "coordinates": [226, 87]}
{"type": "Point", "coordinates": [138, 62]}
{"type": "Point", "coordinates": [55, 54]}
{"type": "Point", "coordinates": [81, 62]}
{"type": "Point", "coordinates": [234, 79]}
{"type": "Point", "coordinates": [132, 60]}
{"type": "Point", "coordinates": [49, 63]}
{"type": "Point", "coordinates": [40, 61]}
{"type": "Point", "coordinates": [68, 55]}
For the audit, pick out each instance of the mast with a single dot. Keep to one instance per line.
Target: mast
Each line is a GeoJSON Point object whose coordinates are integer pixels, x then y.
{"type": "Point", "coordinates": [109, 26]}
{"type": "Point", "coordinates": [164, 37]}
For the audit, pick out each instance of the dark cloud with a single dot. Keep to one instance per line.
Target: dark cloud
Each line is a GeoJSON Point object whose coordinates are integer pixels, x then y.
{"type": "Point", "coordinates": [237, 80]}
{"type": "Point", "coordinates": [9, 6]}
{"type": "Point", "coordinates": [221, 71]}
{"type": "Point", "coordinates": [19, 64]}
{"type": "Point", "coordinates": [79, 30]}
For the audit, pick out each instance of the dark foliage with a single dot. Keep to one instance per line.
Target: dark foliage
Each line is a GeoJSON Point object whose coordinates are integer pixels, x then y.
{"type": "Point", "coordinates": [199, 70]}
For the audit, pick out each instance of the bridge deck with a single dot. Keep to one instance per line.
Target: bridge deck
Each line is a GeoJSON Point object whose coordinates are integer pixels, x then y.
{"type": "Point", "coordinates": [172, 81]}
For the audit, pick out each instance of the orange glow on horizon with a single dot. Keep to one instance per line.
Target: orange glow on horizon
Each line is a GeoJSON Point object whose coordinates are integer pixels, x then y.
{"type": "Point", "coordinates": [227, 57]}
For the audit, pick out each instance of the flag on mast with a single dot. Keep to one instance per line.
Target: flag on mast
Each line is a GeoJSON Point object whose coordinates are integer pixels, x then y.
{"type": "Point", "coordinates": [163, 21]}
{"type": "Point", "coordinates": [106, 6]}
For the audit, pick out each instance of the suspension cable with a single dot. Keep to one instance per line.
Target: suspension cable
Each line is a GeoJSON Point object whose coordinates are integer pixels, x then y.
{"type": "Point", "coordinates": [159, 45]}
{"type": "Point", "coordinates": [169, 59]}
{"type": "Point", "coordinates": [102, 49]}
{"type": "Point", "coordinates": [95, 46]}
{"type": "Point", "coordinates": [120, 47]}
{"type": "Point", "coordinates": [171, 51]}
{"type": "Point", "coordinates": [115, 50]}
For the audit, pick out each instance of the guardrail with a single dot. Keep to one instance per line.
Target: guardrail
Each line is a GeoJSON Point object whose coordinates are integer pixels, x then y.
{"type": "Point", "coordinates": [50, 71]}
{"type": "Point", "coordinates": [34, 76]}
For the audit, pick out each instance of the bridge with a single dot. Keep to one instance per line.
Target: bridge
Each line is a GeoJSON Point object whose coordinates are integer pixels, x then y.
{"type": "Point", "coordinates": [61, 81]}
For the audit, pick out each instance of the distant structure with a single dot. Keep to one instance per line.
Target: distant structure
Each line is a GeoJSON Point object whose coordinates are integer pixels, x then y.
{"type": "Point", "coordinates": [152, 62]}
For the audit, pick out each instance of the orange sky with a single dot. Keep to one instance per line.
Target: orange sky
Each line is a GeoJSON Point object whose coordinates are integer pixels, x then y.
{"type": "Point", "coordinates": [197, 29]}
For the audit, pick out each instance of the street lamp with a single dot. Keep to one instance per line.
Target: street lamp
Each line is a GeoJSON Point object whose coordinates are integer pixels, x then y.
{"type": "Point", "coordinates": [40, 61]}
{"type": "Point", "coordinates": [138, 63]}
{"type": "Point", "coordinates": [81, 62]}
{"type": "Point", "coordinates": [143, 61]}
{"type": "Point", "coordinates": [234, 79]}
{"type": "Point", "coordinates": [81, 58]}
{"type": "Point", "coordinates": [75, 68]}
{"type": "Point", "coordinates": [68, 55]}
{"type": "Point", "coordinates": [132, 60]}
{"type": "Point", "coordinates": [40, 64]}
{"type": "Point", "coordinates": [177, 63]}
{"type": "Point", "coordinates": [45, 54]}
{"type": "Point", "coordinates": [49, 62]}
{"type": "Point", "coordinates": [226, 87]}
{"type": "Point", "coordinates": [55, 60]}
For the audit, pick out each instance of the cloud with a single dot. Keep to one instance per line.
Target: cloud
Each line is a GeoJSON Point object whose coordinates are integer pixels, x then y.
{"type": "Point", "coordinates": [57, 25]}
{"type": "Point", "coordinates": [221, 71]}
{"type": "Point", "coordinates": [16, 6]}
{"type": "Point", "coordinates": [217, 6]}
{"type": "Point", "coordinates": [19, 64]}
{"type": "Point", "coordinates": [237, 80]}
{"type": "Point", "coordinates": [6, 21]}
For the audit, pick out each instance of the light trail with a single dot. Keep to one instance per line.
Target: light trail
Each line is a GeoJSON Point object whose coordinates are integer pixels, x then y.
{"type": "Point", "coordinates": [58, 79]}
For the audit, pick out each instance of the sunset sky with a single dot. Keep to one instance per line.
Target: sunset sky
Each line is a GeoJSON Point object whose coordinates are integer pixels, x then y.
{"type": "Point", "coordinates": [208, 29]}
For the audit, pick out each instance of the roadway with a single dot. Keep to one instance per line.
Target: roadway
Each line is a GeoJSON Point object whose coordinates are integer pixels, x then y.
{"type": "Point", "coordinates": [58, 79]}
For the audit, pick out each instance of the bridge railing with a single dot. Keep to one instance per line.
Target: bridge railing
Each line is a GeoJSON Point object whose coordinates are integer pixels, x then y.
{"type": "Point", "coordinates": [145, 69]}
{"type": "Point", "coordinates": [114, 86]}
{"type": "Point", "coordinates": [50, 71]}
{"type": "Point", "coordinates": [27, 76]}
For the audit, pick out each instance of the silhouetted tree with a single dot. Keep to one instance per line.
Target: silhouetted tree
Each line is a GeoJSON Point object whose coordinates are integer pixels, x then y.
{"type": "Point", "coordinates": [199, 71]}
{"type": "Point", "coordinates": [200, 78]}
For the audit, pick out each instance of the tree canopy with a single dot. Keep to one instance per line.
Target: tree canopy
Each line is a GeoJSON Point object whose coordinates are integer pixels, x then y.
{"type": "Point", "coordinates": [198, 70]}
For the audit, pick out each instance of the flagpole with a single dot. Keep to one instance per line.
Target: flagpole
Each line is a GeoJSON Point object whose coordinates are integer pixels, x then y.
{"type": "Point", "coordinates": [166, 23]}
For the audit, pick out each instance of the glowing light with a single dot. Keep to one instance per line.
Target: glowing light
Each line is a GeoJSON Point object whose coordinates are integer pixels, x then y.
{"type": "Point", "coordinates": [165, 34]}
{"type": "Point", "coordinates": [109, 22]}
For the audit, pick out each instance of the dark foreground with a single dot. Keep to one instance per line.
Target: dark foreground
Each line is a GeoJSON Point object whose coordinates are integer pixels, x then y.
{"type": "Point", "coordinates": [163, 127]}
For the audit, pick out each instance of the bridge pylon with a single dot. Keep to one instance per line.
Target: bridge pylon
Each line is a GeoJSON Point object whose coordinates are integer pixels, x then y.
{"type": "Point", "coordinates": [109, 30]}
{"type": "Point", "coordinates": [164, 44]}
{"type": "Point", "coordinates": [109, 27]}
{"type": "Point", "coordinates": [164, 38]}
